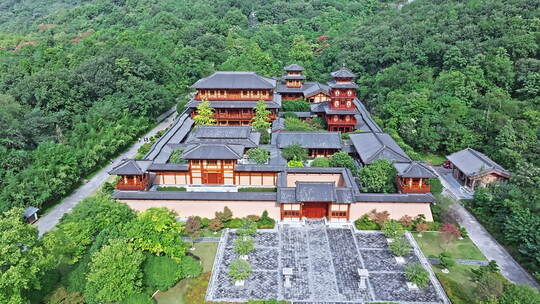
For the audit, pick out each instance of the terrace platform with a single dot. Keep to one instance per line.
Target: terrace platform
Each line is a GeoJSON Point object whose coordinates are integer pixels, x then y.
{"type": "Point", "coordinates": [325, 262]}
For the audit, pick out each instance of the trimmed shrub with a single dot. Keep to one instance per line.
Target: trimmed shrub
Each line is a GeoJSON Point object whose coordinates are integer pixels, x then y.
{"type": "Point", "coordinates": [171, 188]}
{"type": "Point", "coordinates": [247, 228]}
{"type": "Point", "coordinates": [239, 270]}
{"type": "Point", "coordinates": [161, 272]}
{"type": "Point", "coordinates": [365, 223]}
{"type": "Point", "coordinates": [215, 225]}
{"type": "Point", "coordinates": [392, 229]}
{"type": "Point", "coordinates": [257, 189]}
{"type": "Point", "coordinates": [265, 222]}
{"type": "Point", "coordinates": [417, 274]}
{"type": "Point", "coordinates": [234, 223]}
{"type": "Point", "coordinates": [446, 260]}
{"type": "Point", "coordinates": [224, 216]}
{"type": "Point", "coordinates": [321, 162]}
{"type": "Point", "coordinates": [191, 268]}
{"type": "Point", "coordinates": [243, 246]}
{"type": "Point", "coordinates": [295, 163]}
{"type": "Point", "coordinates": [400, 246]}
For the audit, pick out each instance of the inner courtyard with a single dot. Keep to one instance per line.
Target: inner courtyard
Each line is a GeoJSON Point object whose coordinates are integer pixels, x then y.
{"type": "Point", "coordinates": [326, 262]}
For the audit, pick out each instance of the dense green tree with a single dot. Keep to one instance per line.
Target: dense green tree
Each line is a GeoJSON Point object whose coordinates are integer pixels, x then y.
{"type": "Point", "coordinates": [115, 273]}
{"type": "Point", "coordinates": [378, 177]}
{"type": "Point", "coordinates": [343, 160]}
{"type": "Point", "coordinates": [157, 231]}
{"type": "Point", "coordinates": [205, 114]}
{"type": "Point", "coordinates": [22, 261]}
{"type": "Point", "coordinates": [294, 152]}
{"type": "Point", "coordinates": [261, 120]}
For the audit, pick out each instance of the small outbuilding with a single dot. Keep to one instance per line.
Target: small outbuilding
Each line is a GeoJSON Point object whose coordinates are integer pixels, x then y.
{"type": "Point", "coordinates": [30, 214]}
{"type": "Point", "coordinates": [472, 168]}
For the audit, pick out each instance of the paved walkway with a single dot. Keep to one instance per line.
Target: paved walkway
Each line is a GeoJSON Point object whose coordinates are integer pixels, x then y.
{"type": "Point", "coordinates": [491, 249]}
{"type": "Point", "coordinates": [49, 220]}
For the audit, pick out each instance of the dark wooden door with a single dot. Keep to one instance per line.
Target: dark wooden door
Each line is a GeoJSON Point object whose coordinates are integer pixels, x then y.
{"type": "Point", "coordinates": [213, 178]}
{"type": "Point", "coordinates": [314, 210]}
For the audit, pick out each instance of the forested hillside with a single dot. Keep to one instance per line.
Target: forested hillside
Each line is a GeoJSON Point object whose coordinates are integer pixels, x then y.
{"type": "Point", "coordinates": [79, 80]}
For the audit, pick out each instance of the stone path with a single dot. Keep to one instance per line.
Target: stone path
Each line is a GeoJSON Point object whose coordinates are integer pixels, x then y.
{"type": "Point", "coordinates": [491, 249]}
{"type": "Point", "coordinates": [437, 261]}
{"type": "Point", "coordinates": [51, 218]}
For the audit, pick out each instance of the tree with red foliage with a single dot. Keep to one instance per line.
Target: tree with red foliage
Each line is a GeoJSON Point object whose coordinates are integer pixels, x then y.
{"type": "Point", "coordinates": [448, 232]}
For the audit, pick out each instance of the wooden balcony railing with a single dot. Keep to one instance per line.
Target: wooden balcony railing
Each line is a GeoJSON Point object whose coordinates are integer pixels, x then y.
{"type": "Point", "coordinates": [414, 188]}
{"type": "Point", "coordinates": [233, 97]}
{"type": "Point", "coordinates": [133, 185]}
{"type": "Point", "coordinates": [341, 122]}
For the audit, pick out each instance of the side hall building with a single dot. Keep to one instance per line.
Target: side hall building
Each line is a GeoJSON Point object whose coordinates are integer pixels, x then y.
{"type": "Point", "coordinates": [211, 169]}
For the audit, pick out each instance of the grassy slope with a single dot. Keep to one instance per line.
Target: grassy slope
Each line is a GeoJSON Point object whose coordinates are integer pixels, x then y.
{"type": "Point", "coordinates": [207, 253]}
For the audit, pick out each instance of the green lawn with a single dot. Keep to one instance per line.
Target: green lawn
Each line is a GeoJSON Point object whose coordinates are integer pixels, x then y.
{"type": "Point", "coordinates": [433, 159]}
{"type": "Point", "coordinates": [175, 294]}
{"type": "Point", "coordinates": [460, 249]}
{"type": "Point", "coordinates": [457, 284]}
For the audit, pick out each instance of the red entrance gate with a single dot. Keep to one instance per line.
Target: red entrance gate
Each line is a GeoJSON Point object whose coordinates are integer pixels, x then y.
{"type": "Point", "coordinates": [314, 210]}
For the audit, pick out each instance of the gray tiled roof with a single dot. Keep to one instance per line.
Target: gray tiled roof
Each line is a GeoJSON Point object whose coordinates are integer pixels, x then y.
{"type": "Point", "coordinates": [318, 107]}
{"type": "Point", "coordinates": [343, 73]}
{"type": "Point", "coordinates": [316, 88]}
{"type": "Point", "coordinates": [414, 169]}
{"type": "Point", "coordinates": [395, 197]}
{"type": "Point", "coordinates": [168, 167]}
{"type": "Point", "coordinates": [472, 163]}
{"type": "Point", "coordinates": [294, 77]}
{"type": "Point", "coordinates": [330, 111]}
{"type": "Point", "coordinates": [258, 168]}
{"type": "Point", "coordinates": [234, 135]}
{"type": "Point", "coordinates": [373, 146]}
{"type": "Point", "coordinates": [29, 211]}
{"type": "Point", "coordinates": [174, 135]}
{"type": "Point", "coordinates": [342, 85]}
{"type": "Point", "coordinates": [308, 88]}
{"type": "Point", "coordinates": [213, 151]}
{"type": "Point", "coordinates": [315, 192]}
{"type": "Point", "coordinates": [309, 140]}
{"type": "Point", "coordinates": [364, 120]}
{"type": "Point", "coordinates": [235, 80]}
{"type": "Point", "coordinates": [294, 67]}
{"type": "Point", "coordinates": [131, 167]}
{"type": "Point", "coordinates": [286, 195]}
{"type": "Point", "coordinates": [200, 196]}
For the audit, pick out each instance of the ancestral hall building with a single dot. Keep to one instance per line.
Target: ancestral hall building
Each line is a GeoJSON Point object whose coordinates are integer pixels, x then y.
{"type": "Point", "coordinates": [211, 169]}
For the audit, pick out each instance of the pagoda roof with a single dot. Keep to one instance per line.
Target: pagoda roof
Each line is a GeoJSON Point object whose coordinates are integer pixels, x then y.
{"type": "Point", "coordinates": [343, 73]}
{"type": "Point", "coordinates": [294, 77]}
{"type": "Point", "coordinates": [235, 80]}
{"type": "Point", "coordinates": [414, 169]}
{"type": "Point", "coordinates": [294, 67]}
{"type": "Point", "coordinates": [239, 135]}
{"type": "Point", "coordinates": [342, 85]}
{"type": "Point", "coordinates": [213, 151]}
{"type": "Point", "coordinates": [308, 140]}
{"type": "Point", "coordinates": [373, 146]}
{"type": "Point", "coordinates": [131, 167]}
{"type": "Point", "coordinates": [474, 163]}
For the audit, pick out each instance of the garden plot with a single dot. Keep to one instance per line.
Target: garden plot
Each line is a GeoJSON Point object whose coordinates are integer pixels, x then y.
{"type": "Point", "coordinates": [325, 263]}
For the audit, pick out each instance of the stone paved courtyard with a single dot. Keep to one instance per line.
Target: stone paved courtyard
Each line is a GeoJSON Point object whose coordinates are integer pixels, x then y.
{"type": "Point", "coordinates": [325, 263]}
